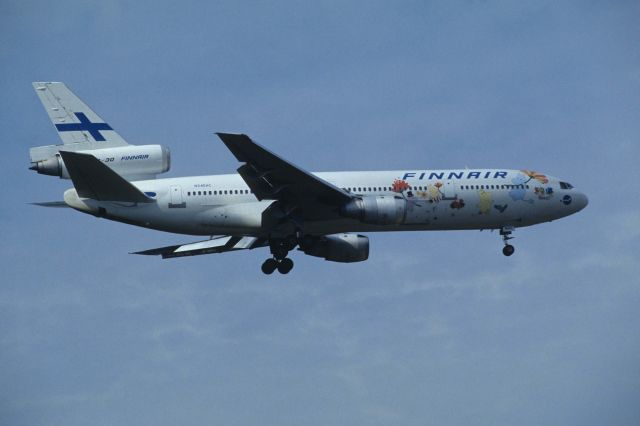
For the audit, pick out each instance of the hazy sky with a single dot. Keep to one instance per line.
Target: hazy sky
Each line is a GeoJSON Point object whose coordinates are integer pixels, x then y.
{"type": "Point", "coordinates": [435, 328]}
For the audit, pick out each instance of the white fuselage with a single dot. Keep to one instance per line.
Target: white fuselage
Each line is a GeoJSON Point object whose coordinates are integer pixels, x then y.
{"type": "Point", "coordinates": [436, 200]}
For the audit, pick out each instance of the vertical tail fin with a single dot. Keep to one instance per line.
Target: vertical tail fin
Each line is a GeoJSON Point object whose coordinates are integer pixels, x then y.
{"type": "Point", "coordinates": [79, 127]}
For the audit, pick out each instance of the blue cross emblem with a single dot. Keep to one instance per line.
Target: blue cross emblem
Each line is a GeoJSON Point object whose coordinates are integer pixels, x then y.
{"type": "Point", "coordinates": [86, 125]}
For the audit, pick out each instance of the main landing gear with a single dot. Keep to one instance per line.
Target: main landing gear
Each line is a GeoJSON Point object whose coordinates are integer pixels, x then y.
{"type": "Point", "coordinates": [505, 232]}
{"type": "Point", "coordinates": [283, 266]}
{"type": "Point", "coordinates": [279, 261]}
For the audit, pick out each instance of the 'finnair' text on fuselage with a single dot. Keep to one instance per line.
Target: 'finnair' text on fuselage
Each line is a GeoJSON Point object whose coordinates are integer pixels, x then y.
{"type": "Point", "coordinates": [461, 174]}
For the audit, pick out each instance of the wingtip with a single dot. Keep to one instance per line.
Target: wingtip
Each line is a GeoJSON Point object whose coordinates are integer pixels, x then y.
{"type": "Point", "coordinates": [223, 135]}
{"type": "Point", "coordinates": [233, 137]}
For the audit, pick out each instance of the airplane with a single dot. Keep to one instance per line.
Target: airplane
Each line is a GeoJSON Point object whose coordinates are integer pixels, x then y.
{"type": "Point", "coordinates": [273, 203]}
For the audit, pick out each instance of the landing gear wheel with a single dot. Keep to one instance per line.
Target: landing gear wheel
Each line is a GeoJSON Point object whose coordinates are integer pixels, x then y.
{"type": "Point", "coordinates": [269, 266]}
{"type": "Point", "coordinates": [285, 266]}
{"type": "Point", "coordinates": [508, 250]}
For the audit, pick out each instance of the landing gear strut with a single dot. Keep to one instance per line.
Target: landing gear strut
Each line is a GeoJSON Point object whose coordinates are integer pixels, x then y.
{"type": "Point", "coordinates": [506, 231]}
{"type": "Point", "coordinates": [279, 261]}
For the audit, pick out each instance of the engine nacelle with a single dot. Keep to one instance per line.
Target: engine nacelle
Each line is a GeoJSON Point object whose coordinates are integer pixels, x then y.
{"type": "Point", "coordinates": [130, 161]}
{"type": "Point", "coordinates": [345, 248]}
{"type": "Point", "coordinates": [377, 210]}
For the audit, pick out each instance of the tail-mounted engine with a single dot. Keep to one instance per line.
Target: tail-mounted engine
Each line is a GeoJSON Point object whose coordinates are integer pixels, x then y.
{"type": "Point", "coordinates": [345, 248]}
{"type": "Point", "coordinates": [130, 161]}
{"type": "Point", "coordinates": [377, 210]}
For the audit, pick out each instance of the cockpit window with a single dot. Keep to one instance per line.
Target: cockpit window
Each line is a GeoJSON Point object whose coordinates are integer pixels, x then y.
{"type": "Point", "coordinates": [565, 185]}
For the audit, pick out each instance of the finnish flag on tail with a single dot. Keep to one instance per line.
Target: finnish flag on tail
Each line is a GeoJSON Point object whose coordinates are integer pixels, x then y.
{"type": "Point", "coordinates": [79, 127]}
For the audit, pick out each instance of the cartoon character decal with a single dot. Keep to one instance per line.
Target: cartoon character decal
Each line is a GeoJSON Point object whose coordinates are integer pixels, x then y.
{"type": "Point", "coordinates": [518, 193]}
{"type": "Point", "coordinates": [543, 193]}
{"type": "Point", "coordinates": [400, 186]}
{"type": "Point", "coordinates": [403, 188]}
{"type": "Point", "coordinates": [486, 201]}
{"type": "Point", "coordinates": [535, 175]}
{"type": "Point", "coordinates": [457, 204]}
{"type": "Point", "coordinates": [432, 193]}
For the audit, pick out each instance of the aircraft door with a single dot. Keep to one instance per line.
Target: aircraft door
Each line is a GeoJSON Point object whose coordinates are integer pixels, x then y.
{"type": "Point", "coordinates": [177, 201]}
{"type": "Point", "coordinates": [449, 191]}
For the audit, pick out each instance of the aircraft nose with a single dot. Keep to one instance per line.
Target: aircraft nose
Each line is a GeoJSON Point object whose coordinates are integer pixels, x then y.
{"type": "Point", "coordinates": [581, 200]}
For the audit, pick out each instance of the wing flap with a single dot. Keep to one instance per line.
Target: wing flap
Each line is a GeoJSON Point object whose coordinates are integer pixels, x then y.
{"type": "Point", "coordinates": [214, 245]}
{"type": "Point", "coordinates": [93, 179]}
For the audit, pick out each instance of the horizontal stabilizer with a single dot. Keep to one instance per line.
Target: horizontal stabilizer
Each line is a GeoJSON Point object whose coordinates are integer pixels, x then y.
{"type": "Point", "coordinates": [57, 204]}
{"type": "Point", "coordinates": [93, 179]}
{"type": "Point", "coordinates": [215, 245]}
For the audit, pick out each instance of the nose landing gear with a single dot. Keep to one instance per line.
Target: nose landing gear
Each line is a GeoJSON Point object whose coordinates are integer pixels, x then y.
{"type": "Point", "coordinates": [505, 232]}
{"type": "Point", "coordinates": [508, 250]}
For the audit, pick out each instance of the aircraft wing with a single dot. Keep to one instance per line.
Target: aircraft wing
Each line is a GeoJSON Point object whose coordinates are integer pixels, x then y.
{"type": "Point", "coordinates": [271, 177]}
{"type": "Point", "coordinates": [219, 244]}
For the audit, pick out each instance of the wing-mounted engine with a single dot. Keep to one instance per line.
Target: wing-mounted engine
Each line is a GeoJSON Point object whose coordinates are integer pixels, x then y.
{"type": "Point", "coordinates": [134, 162]}
{"type": "Point", "coordinates": [345, 248]}
{"type": "Point", "coordinates": [377, 210]}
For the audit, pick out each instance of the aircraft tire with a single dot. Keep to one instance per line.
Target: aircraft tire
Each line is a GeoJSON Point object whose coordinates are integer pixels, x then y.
{"type": "Point", "coordinates": [269, 266]}
{"type": "Point", "coordinates": [285, 265]}
{"type": "Point", "coordinates": [508, 250]}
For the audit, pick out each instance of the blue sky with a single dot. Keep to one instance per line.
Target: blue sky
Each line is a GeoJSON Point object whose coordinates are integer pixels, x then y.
{"type": "Point", "coordinates": [436, 328]}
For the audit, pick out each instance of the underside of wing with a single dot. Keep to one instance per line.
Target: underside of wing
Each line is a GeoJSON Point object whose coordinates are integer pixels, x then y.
{"type": "Point", "coordinates": [219, 244]}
